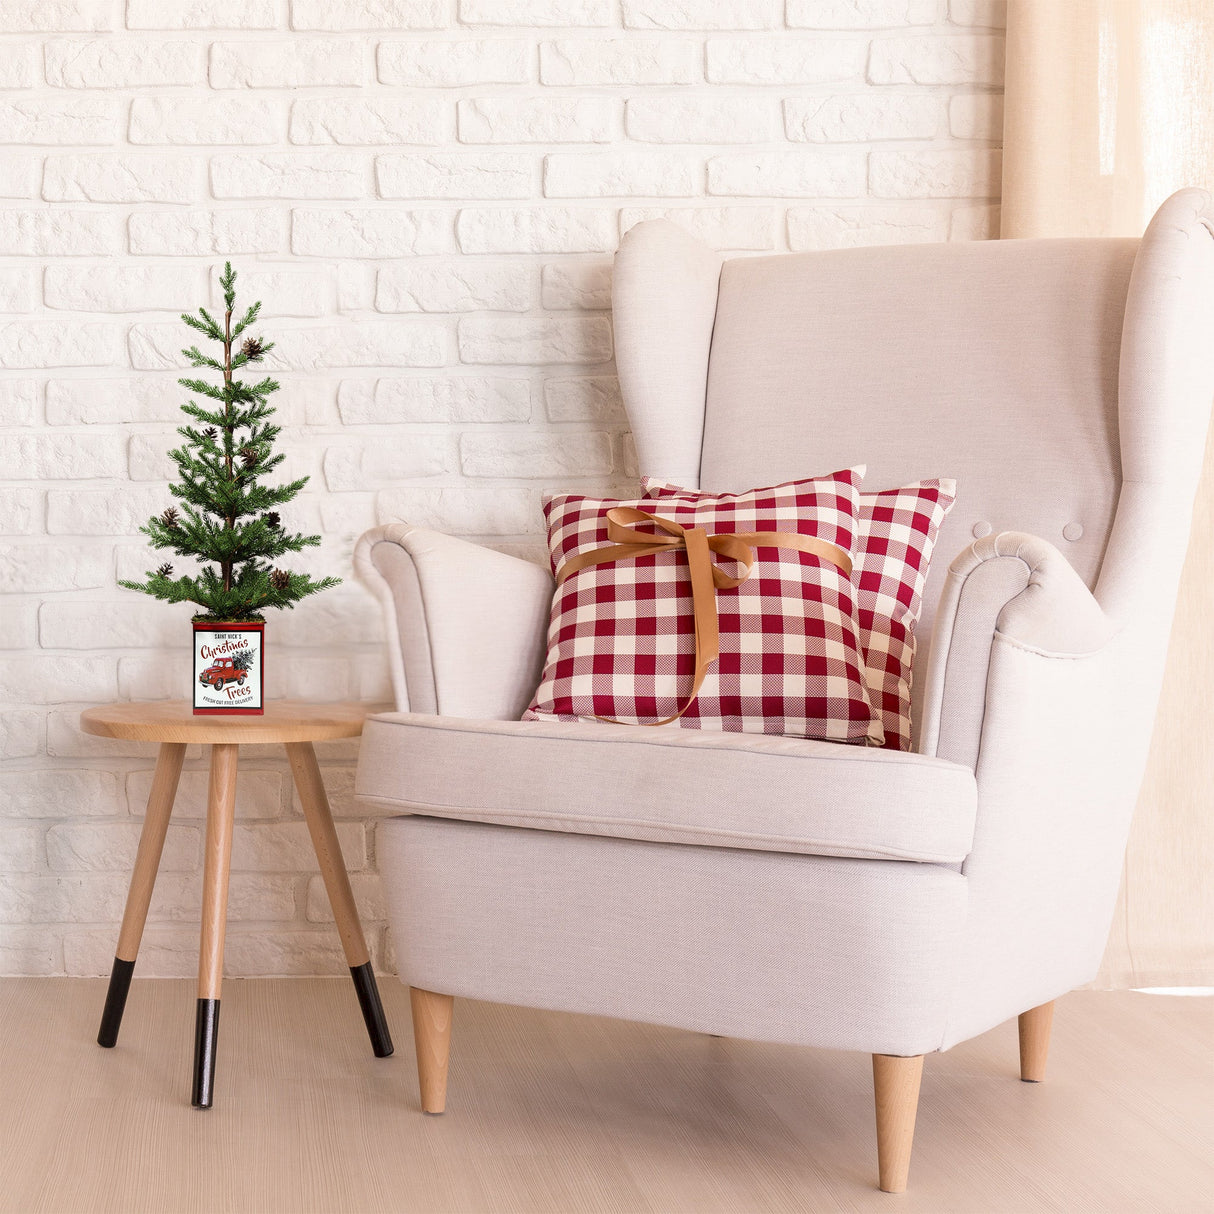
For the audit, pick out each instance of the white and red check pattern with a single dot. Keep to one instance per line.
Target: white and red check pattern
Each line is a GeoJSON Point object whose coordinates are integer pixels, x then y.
{"type": "Point", "coordinates": [621, 637]}
{"type": "Point", "coordinates": [897, 533]}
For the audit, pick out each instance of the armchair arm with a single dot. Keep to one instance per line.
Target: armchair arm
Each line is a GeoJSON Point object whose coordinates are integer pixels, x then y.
{"type": "Point", "coordinates": [466, 625]}
{"type": "Point", "coordinates": [1007, 589]}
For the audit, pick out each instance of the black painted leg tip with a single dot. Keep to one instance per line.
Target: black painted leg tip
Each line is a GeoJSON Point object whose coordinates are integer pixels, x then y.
{"type": "Point", "coordinates": [372, 1009]}
{"type": "Point", "coordinates": [115, 1003]}
{"type": "Point", "coordinates": [206, 1038]}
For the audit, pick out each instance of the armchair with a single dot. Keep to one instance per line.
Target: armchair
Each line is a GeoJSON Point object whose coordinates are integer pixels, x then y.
{"type": "Point", "coordinates": [796, 891]}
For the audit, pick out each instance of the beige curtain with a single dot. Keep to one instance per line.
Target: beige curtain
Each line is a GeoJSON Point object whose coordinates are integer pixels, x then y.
{"type": "Point", "coordinates": [1109, 109]}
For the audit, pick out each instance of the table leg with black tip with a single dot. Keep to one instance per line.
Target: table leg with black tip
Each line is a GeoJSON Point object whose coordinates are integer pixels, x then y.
{"type": "Point", "coordinates": [221, 813]}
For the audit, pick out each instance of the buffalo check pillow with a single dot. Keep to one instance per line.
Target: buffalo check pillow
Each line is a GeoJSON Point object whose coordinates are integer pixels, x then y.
{"type": "Point", "coordinates": [621, 640]}
{"type": "Point", "coordinates": [897, 533]}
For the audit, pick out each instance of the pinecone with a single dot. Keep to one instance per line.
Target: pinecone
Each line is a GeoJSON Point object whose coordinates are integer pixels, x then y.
{"type": "Point", "coordinates": [210, 432]}
{"type": "Point", "coordinates": [252, 349]}
{"type": "Point", "coordinates": [273, 521]}
{"type": "Point", "coordinates": [280, 579]}
{"type": "Point", "coordinates": [250, 455]}
{"type": "Point", "coordinates": [169, 518]}
{"type": "Point", "coordinates": [165, 570]}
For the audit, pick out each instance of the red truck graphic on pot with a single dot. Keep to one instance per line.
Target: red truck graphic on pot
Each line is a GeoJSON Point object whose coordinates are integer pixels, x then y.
{"type": "Point", "coordinates": [224, 671]}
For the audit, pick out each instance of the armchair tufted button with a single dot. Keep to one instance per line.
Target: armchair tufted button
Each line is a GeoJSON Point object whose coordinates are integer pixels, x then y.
{"type": "Point", "coordinates": [981, 529]}
{"type": "Point", "coordinates": [1073, 532]}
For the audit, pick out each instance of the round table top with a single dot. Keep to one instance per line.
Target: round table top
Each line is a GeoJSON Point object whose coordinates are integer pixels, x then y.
{"type": "Point", "coordinates": [174, 721]}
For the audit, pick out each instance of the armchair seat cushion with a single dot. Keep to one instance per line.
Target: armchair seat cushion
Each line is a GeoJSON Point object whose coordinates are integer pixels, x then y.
{"type": "Point", "coordinates": [672, 785]}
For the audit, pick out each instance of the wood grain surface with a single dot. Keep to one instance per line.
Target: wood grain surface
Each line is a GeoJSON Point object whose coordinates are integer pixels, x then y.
{"type": "Point", "coordinates": [174, 721]}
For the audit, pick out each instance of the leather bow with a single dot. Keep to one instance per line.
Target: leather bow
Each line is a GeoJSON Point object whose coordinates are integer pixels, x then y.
{"type": "Point", "coordinates": [706, 576]}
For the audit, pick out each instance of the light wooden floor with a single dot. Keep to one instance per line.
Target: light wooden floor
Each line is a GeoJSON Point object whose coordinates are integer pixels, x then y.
{"type": "Point", "coordinates": [562, 1113]}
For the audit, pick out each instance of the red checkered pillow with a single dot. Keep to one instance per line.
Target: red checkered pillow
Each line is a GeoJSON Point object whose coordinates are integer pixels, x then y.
{"type": "Point", "coordinates": [897, 532]}
{"type": "Point", "coordinates": [621, 638]}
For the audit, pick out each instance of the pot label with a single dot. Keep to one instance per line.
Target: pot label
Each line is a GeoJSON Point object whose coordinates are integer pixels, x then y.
{"type": "Point", "coordinates": [228, 668]}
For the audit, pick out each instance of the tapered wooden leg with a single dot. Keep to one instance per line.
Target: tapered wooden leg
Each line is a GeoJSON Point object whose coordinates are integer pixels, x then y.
{"type": "Point", "coordinates": [1035, 1026]}
{"type": "Point", "coordinates": [341, 898]}
{"type": "Point", "coordinates": [143, 880]}
{"type": "Point", "coordinates": [896, 1093]}
{"type": "Point", "coordinates": [221, 813]}
{"type": "Point", "coordinates": [432, 1036]}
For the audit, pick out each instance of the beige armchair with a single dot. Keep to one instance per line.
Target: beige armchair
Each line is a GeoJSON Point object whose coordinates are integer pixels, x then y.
{"type": "Point", "coordinates": [795, 891]}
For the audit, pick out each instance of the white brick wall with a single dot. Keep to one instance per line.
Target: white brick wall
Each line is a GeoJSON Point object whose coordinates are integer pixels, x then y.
{"type": "Point", "coordinates": [426, 195]}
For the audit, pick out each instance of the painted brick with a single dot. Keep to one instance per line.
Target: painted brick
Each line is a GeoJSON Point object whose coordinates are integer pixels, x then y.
{"type": "Point", "coordinates": [585, 398]}
{"type": "Point", "coordinates": [497, 175]}
{"type": "Point", "coordinates": [106, 63]}
{"type": "Point", "coordinates": [283, 293]}
{"type": "Point", "coordinates": [989, 13]}
{"type": "Point", "coordinates": [583, 62]}
{"type": "Point", "coordinates": [301, 63]}
{"type": "Point", "coordinates": [950, 59]}
{"type": "Point", "coordinates": [51, 120]}
{"type": "Point", "coordinates": [258, 793]}
{"type": "Point", "coordinates": [340, 15]}
{"type": "Point", "coordinates": [66, 740]}
{"type": "Point", "coordinates": [576, 284]}
{"type": "Point", "coordinates": [860, 14]}
{"type": "Point", "coordinates": [785, 60]}
{"type": "Point", "coordinates": [645, 174]}
{"type": "Point", "coordinates": [974, 223]}
{"type": "Point", "coordinates": [20, 849]}
{"type": "Point", "coordinates": [443, 287]}
{"type": "Point", "coordinates": [59, 344]}
{"type": "Point", "coordinates": [863, 118]}
{"type": "Point", "coordinates": [119, 511]}
{"type": "Point", "coordinates": [31, 951]}
{"type": "Point", "coordinates": [287, 847]}
{"type": "Point", "coordinates": [144, 178]}
{"type": "Point", "coordinates": [30, 568]}
{"type": "Point", "coordinates": [366, 344]}
{"type": "Point", "coordinates": [702, 14]}
{"type": "Point", "coordinates": [20, 176]}
{"type": "Point", "coordinates": [934, 173]}
{"type": "Point", "coordinates": [463, 509]}
{"type": "Point", "coordinates": [18, 289]}
{"type": "Point", "coordinates": [535, 230]}
{"type": "Point", "coordinates": [288, 175]}
{"type": "Point", "coordinates": [111, 846]}
{"type": "Point", "coordinates": [854, 226]}
{"type": "Point", "coordinates": [377, 120]}
{"type": "Point", "coordinates": [788, 174]}
{"type": "Point", "coordinates": [20, 512]}
{"type": "Point", "coordinates": [61, 456]}
{"type": "Point", "coordinates": [369, 233]}
{"type": "Point", "coordinates": [537, 12]}
{"type": "Point", "coordinates": [201, 15]}
{"type": "Point", "coordinates": [453, 64]}
{"type": "Point", "coordinates": [750, 227]}
{"type": "Point", "coordinates": [122, 288]}
{"type": "Point", "coordinates": [167, 676]}
{"type": "Point", "coordinates": [379, 465]}
{"type": "Point", "coordinates": [976, 116]}
{"type": "Point", "coordinates": [22, 66]}
{"type": "Point", "coordinates": [19, 401]}
{"type": "Point", "coordinates": [17, 16]}
{"type": "Point", "coordinates": [19, 624]}
{"type": "Point", "coordinates": [107, 402]}
{"type": "Point", "coordinates": [20, 733]}
{"type": "Point", "coordinates": [368, 897]}
{"type": "Point", "coordinates": [526, 341]}
{"type": "Point", "coordinates": [214, 120]}
{"type": "Point", "coordinates": [134, 623]}
{"type": "Point", "coordinates": [200, 233]}
{"type": "Point", "coordinates": [534, 453]}
{"type": "Point", "coordinates": [472, 398]}
{"type": "Point", "coordinates": [53, 679]}
{"type": "Point", "coordinates": [701, 119]}
{"type": "Point", "coordinates": [536, 119]}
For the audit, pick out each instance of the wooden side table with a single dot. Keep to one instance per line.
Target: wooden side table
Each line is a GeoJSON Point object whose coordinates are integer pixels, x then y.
{"type": "Point", "coordinates": [174, 726]}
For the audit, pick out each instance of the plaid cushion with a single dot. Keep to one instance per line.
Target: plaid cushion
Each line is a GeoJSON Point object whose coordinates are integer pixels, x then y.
{"type": "Point", "coordinates": [621, 638]}
{"type": "Point", "coordinates": [897, 532]}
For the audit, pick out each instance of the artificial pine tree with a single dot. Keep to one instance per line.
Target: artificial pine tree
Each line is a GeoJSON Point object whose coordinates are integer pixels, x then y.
{"type": "Point", "coordinates": [227, 516]}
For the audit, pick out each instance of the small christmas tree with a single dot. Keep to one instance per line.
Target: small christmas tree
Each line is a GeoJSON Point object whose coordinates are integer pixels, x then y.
{"type": "Point", "coordinates": [227, 515]}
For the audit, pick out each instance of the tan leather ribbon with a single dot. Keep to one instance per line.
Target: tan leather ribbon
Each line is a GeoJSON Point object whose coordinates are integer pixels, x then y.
{"type": "Point", "coordinates": [706, 577]}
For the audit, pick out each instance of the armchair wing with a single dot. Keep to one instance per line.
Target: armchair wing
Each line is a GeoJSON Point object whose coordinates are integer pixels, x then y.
{"type": "Point", "coordinates": [466, 624]}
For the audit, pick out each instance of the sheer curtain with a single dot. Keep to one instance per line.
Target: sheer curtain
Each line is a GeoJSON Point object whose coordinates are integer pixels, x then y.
{"type": "Point", "coordinates": [1109, 109]}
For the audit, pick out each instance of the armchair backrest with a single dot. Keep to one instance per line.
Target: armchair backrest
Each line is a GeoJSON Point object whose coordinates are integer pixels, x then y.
{"type": "Point", "coordinates": [1065, 384]}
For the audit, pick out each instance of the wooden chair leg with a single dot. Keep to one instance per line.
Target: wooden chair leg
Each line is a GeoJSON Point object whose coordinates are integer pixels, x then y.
{"type": "Point", "coordinates": [143, 881]}
{"type": "Point", "coordinates": [1035, 1026]}
{"type": "Point", "coordinates": [221, 814]}
{"type": "Point", "coordinates": [341, 898]}
{"type": "Point", "coordinates": [896, 1095]}
{"type": "Point", "coordinates": [432, 1036]}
